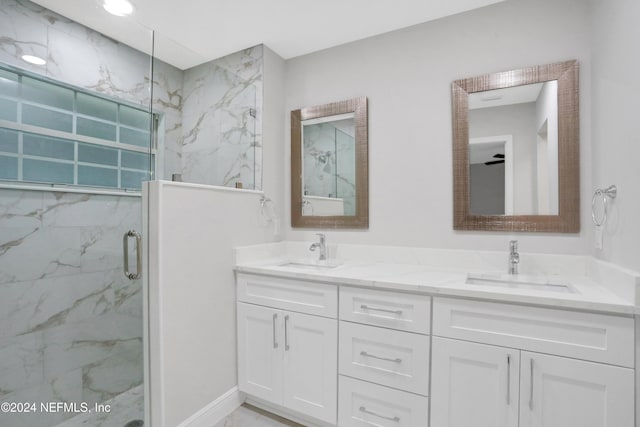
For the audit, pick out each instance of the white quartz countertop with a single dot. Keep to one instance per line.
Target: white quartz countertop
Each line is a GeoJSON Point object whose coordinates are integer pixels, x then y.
{"type": "Point", "coordinates": [588, 295]}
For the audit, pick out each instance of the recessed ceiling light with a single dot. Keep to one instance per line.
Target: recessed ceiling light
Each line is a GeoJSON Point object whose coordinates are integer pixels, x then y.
{"type": "Point", "coordinates": [33, 59]}
{"type": "Point", "coordinates": [118, 7]}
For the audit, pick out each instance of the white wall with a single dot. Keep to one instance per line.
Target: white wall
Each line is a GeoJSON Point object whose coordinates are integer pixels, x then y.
{"type": "Point", "coordinates": [407, 75]}
{"type": "Point", "coordinates": [273, 130]}
{"type": "Point", "coordinates": [192, 294]}
{"type": "Point", "coordinates": [616, 127]}
{"type": "Point", "coordinates": [547, 151]}
{"type": "Point", "coordinates": [191, 290]}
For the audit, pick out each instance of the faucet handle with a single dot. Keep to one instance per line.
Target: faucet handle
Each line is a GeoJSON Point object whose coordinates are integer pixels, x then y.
{"type": "Point", "coordinates": [321, 236]}
{"type": "Point", "coordinates": [513, 245]}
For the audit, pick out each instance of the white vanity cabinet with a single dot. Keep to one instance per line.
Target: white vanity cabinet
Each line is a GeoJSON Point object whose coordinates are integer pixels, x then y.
{"type": "Point", "coordinates": [384, 358]}
{"type": "Point", "coordinates": [260, 359]}
{"type": "Point", "coordinates": [558, 391]}
{"type": "Point", "coordinates": [286, 357]}
{"type": "Point", "coordinates": [349, 356]}
{"type": "Point", "coordinates": [506, 385]}
{"type": "Point", "coordinates": [474, 385]}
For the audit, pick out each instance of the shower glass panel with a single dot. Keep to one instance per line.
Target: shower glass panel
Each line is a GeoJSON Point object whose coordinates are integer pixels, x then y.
{"type": "Point", "coordinates": [221, 116]}
{"type": "Point", "coordinates": [76, 141]}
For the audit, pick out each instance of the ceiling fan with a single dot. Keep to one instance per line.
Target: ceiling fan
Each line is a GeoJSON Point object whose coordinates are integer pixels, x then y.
{"type": "Point", "coordinates": [496, 162]}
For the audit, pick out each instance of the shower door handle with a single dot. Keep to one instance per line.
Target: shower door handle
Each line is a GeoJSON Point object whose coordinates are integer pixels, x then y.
{"type": "Point", "coordinates": [125, 247]}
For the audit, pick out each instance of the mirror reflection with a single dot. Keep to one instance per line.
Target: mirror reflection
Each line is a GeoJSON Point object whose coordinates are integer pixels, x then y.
{"type": "Point", "coordinates": [329, 166]}
{"type": "Point", "coordinates": [513, 150]}
{"type": "Point", "coordinates": [516, 150]}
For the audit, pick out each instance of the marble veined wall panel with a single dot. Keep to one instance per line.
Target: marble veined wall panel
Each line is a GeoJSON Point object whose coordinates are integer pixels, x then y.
{"type": "Point", "coordinates": [70, 322]}
{"type": "Point", "coordinates": [85, 58]}
{"type": "Point", "coordinates": [207, 130]}
{"type": "Point", "coordinates": [167, 99]}
{"type": "Point", "coordinates": [74, 53]}
{"type": "Point", "coordinates": [222, 139]}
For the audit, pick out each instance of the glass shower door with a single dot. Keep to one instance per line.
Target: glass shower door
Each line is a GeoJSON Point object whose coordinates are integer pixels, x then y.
{"type": "Point", "coordinates": [75, 144]}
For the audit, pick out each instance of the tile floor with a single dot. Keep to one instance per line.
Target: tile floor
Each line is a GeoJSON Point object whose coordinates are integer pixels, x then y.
{"type": "Point", "coordinates": [130, 405]}
{"type": "Point", "coordinates": [124, 408]}
{"type": "Point", "coordinates": [250, 416]}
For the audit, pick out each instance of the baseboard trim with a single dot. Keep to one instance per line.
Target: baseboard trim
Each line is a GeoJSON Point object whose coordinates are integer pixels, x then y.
{"type": "Point", "coordinates": [215, 411]}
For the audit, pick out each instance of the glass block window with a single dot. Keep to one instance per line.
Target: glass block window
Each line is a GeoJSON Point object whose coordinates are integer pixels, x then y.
{"type": "Point", "coordinates": [53, 133]}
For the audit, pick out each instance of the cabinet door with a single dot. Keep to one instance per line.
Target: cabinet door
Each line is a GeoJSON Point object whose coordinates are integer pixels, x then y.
{"type": "Point", "coordinates": [311, 365]}
{"type": "Point", "coordinates": [473, 385]}
{"type": "Point", "coordinates": [260, 342]}
{"type": "Point", "coordinates": [561, 392]}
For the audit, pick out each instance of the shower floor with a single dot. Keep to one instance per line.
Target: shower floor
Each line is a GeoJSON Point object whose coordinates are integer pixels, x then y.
{"type": "Point", "coordinates": [125, 407]}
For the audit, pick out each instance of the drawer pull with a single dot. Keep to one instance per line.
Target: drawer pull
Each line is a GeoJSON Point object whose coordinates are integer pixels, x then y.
{"type": "Point", "coordinates": [384, 417]}
{"type": "Point", "coordinates": [384, 310]}
{"type": "Point", "coordinates": [508, 379]}
{"type": "Point", "coordinates": [396, 360]}
{"type": "Point", "coordinates": [531, 384]}
{"type": "Point", "coordinates": [275, 342]}
{"type": "Point", "coordinates": [286, 333]}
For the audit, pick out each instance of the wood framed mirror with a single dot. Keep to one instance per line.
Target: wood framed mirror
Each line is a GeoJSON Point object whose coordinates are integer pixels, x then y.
{"type": "Point", "coordinates": [329, 165]}
{"type": "Point", "coordinates": [516, 157]}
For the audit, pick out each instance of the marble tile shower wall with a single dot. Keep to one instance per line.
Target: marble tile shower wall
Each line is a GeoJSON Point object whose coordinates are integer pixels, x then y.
{"type": "Point", "coordinates": [167, 99]}
{"type": "Point", "coordinates": [70, 322]}
{"type": "Point", "coordinates": [74, 53]}
{"type": "Point", "coordinates": [222, 120]}
{"type": "Point", "coordinates": [84, 58]}
{"type": "Point", "coordinates": [208, 130]}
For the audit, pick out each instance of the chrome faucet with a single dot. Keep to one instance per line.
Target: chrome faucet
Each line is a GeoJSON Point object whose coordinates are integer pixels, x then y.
{"type": "Point", "coordinates": [321, 244]}
{"type": "Point", "coordinates": [514, 257]}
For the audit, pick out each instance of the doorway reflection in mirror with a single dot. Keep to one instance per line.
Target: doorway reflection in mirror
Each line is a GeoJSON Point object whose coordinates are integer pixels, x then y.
{"type": "Point", "coordinates": [513, 150]}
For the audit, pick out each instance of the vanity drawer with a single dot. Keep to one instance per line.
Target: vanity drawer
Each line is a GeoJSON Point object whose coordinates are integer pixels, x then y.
{"type": "Point", "coordinates": [588, 336]}
{"type": "Point", "coordinates": [294, 295]}
{"type": "Point", "coordinates": [383, 356]}
{"type": "Point", "coordinates": [393, 310]}
{"type": "Point", "coordinates": [364, 404]}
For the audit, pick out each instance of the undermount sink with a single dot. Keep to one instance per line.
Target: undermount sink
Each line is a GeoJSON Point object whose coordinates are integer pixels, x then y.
{"type": "Point", "coordinates": [311, 265]}
{"type": "Point", "coordinates": [516, 281]}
